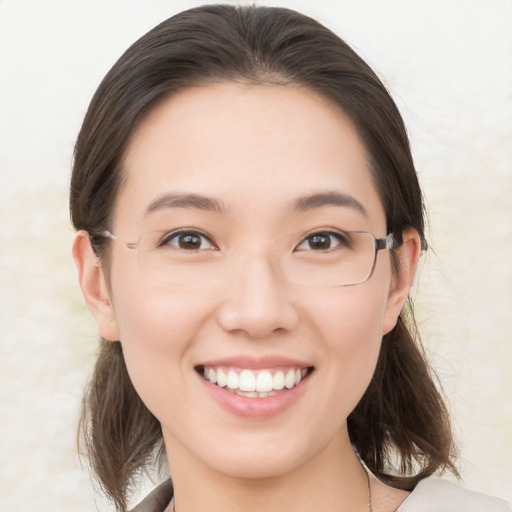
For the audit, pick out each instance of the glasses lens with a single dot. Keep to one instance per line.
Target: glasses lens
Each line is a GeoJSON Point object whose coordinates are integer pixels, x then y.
{"type": "Point", "coordinates": [322, 260]}
{"type": "Point", "coordinates": [185, 259]}
{"type": "Point", "coordinates": [347, 260]}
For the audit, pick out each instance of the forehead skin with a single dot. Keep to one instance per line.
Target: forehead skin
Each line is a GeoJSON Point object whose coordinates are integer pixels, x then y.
{"type": "Point", "coordinates": [250, 146]}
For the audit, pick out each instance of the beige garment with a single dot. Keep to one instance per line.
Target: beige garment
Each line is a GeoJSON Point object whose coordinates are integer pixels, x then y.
{"type": "Point", "coordinates": [439, 495]}
{"type": "Point", "coordinates": [430, 495]}
{"type": "Point", "coordinates": [157, 500]}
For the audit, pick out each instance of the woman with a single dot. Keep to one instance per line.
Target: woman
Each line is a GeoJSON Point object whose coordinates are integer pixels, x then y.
{"type": "Point", "coordinates": [249, 224]}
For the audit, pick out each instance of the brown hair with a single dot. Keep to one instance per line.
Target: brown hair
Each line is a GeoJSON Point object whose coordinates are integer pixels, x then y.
{"type": "Point", "coordinates": [401, 427]}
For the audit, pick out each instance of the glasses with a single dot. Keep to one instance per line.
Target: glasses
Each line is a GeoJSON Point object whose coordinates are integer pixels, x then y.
{"type": "Point", "coordinates": [189, 257]}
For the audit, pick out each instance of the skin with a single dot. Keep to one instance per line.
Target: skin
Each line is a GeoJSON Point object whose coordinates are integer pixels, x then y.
{"type": "Point", "coordinates": [256, 149]}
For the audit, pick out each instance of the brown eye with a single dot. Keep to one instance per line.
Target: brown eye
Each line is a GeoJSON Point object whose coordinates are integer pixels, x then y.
{"type": "Point", "coordinates": [188, 241]}
{"type": "Point", "coordinates": [319, 241]}
{"type": "Point", "coordinates": [322, 241]}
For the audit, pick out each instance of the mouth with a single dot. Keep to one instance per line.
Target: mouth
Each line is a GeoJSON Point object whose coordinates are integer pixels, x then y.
{"type": "Point", "coordinates": [250, 383]}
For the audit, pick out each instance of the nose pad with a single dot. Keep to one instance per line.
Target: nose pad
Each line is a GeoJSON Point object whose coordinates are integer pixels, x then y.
{"type": "Point", "coordinates": [257, 300]}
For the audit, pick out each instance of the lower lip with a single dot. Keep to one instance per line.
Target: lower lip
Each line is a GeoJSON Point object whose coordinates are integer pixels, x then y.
{"type": "Point", "coordinates": [254, 408]}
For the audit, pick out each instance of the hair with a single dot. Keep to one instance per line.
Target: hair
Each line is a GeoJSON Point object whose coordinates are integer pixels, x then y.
{"type": "Point", "coordinates": [400, 428]}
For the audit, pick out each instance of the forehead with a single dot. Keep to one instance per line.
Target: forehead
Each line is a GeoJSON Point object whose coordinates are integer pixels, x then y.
{"type": "Point", "coordinates": [249, 146]}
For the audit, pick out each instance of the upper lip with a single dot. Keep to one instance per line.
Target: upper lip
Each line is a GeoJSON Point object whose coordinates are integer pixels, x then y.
{"type": "Point", "coordinates": [256, 363]}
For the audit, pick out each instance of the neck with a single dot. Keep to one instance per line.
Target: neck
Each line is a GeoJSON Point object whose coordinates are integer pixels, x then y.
{"type": "Point", "coordinates": [333, 481]}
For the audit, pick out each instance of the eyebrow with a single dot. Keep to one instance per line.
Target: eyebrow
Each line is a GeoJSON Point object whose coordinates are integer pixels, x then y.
{"type": "Point", "coordinates": [194, 201]}
{"type": "Point", "coordinates": [329, 198]}
{"type": "Point", "coordinates": [302, 204]}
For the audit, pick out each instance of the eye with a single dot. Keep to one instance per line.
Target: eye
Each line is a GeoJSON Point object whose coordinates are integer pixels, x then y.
{"type": "Point", "coordinates": [188, 240]}
{"type": "Point", "coordinates": [323, 241]}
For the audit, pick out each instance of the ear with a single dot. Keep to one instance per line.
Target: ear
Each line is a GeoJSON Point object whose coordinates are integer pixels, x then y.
{"type": "Point", "coordinates": [408, 255]}
{"type": "Point", "coordinates": [94, 287]}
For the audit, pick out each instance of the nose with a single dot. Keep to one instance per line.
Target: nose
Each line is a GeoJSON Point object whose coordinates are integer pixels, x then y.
{"type": "Point", "coordinates": [257, 300]}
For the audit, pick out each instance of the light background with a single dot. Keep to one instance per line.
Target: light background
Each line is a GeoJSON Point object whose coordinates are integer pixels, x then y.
{"type": "Point", "coordinates": [449, 67]}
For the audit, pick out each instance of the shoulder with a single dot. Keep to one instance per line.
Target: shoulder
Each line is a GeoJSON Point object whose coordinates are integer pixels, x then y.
{"type": "Point", "coordinates": [157, 500]}
{"type": "Point", "coordinates": [439, 495]}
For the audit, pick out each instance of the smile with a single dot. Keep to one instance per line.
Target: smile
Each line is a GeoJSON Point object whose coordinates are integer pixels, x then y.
{"type": "Point", "coordinates": [262, 383]}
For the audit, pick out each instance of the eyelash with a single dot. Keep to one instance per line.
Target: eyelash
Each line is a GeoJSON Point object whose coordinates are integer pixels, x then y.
{"type": "Point", "coordinates": [339, 237]}
{"type": "Point", "coordinates": [165, 242]}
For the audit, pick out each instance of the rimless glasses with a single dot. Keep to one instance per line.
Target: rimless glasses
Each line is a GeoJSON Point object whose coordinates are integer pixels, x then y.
{"type": "Point", "coordinates": [324, 258]}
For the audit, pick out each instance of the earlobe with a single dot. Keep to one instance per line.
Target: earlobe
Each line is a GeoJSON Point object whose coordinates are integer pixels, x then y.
{"type": "Point", "coordinates": [408, 255]}
{"type": "Point", "coordinates": [94, 288]}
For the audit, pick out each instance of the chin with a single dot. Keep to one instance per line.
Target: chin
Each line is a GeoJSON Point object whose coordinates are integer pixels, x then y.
{"type": "Point", "coordinates": [259, 466]}
{"type": "Point", "coordinates": [251, 456]}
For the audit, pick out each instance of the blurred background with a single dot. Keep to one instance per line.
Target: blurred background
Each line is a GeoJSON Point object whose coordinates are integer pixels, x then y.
{"type": "Point", "coordinates": [448, 64]}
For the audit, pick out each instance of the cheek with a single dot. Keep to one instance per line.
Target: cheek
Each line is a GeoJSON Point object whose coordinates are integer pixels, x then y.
{"type": "Point", "coordinates": [350, 318]}
{"type": "Point", "coordinates": [157, 330]}
{"type": "Point", "coordinates": [350, 324]}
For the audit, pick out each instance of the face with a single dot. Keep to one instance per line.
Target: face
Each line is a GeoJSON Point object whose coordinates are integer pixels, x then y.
{"type": "Point", "coordinates": [229, 164]}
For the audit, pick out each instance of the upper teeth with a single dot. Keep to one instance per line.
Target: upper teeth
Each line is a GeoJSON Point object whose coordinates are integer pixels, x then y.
{"type": "Point", "coordinates": [247, 380]}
